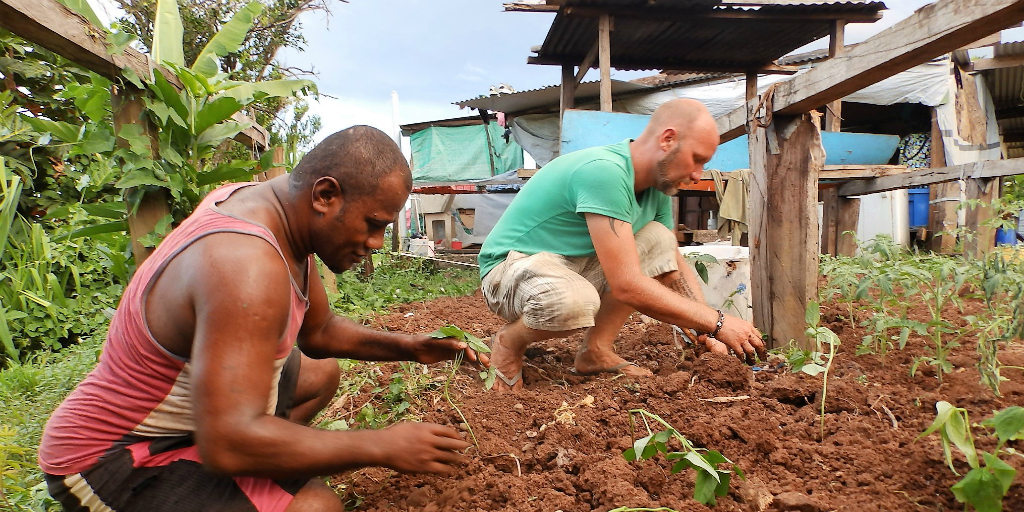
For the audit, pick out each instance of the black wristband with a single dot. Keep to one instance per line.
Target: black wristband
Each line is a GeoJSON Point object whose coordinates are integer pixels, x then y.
{"type": "Point", "coordinates": [718, 325]}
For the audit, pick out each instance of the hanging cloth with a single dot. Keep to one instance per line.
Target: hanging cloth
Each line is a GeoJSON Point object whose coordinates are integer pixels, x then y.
{"type": "Point", "coordinates": [732, 203]}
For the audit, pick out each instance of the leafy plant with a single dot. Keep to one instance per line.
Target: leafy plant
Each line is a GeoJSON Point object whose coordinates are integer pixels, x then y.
{"type": "Point", "coordinates": [813, 363]}
{"type": "Point", "coordinates": [451, 331]}
{"type": "Point", "coordinates": [985, 485]}
{"type": "Point", "coordinates": [711, 482]}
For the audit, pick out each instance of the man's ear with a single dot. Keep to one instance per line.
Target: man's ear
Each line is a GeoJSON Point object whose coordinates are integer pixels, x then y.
{"type": "Point", "coordinates": [668, 139]}
{"type": "Point", "coordinates": [327, 195]}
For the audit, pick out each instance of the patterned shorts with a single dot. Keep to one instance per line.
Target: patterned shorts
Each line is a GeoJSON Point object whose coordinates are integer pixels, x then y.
{"type": "Point", "coordinates": [166, 474]}
{"type": "Point", "coordinates": [551, 292]}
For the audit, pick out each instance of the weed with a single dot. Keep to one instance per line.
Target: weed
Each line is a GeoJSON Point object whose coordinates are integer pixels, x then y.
{"type": "Point", "coordinates": [711, 482]}
{"type": "Point", "coordinates": [813, 363]}
{"type": "Point", "coordinates": [985, 485]}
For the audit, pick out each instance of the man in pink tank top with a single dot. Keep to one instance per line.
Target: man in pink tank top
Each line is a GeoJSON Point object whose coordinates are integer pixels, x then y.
{"type": "Point", "coordinates": [223, 349]}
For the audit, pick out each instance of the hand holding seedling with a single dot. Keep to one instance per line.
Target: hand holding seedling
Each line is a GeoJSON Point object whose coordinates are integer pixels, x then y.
{"type": "Point", "coordinates": [429, 348]}
{"type": "Point", "coordinates": [422, 448]}
{"type": "Point", "coordinates": [739, 335]}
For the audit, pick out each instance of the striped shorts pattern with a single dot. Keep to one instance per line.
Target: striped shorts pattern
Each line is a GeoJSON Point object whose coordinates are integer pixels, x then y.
{"type": "Point", "coordinates": [551, 292]}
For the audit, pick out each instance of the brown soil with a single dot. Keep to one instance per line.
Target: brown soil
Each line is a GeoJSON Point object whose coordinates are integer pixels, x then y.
{"type": "Point", "coordinates": [550, 448]}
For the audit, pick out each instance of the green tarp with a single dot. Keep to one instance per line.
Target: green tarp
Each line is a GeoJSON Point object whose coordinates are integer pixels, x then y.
{"type": "Point", "coordinates": [460, 153]}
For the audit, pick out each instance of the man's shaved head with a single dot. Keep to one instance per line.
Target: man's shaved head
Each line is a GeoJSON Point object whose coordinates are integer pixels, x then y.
{"type": "Point", "coordinates": [685, 115]}
{"type": "Point", "coordinates": [357, 157]}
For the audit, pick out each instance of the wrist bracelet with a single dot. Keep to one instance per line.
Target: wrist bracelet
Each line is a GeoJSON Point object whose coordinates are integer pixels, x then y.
{"type": "Point", "coordinates": [718, 325]}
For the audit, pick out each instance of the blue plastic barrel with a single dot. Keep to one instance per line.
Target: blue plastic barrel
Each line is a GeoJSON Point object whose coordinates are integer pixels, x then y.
{"type": "Point", "coordinates": [1006, 237]}
{"type": "Point", "coordinates": [918, 206]}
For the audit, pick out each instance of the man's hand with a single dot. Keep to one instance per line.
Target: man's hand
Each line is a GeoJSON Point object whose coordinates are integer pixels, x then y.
{"type": "Point", "coordinates": [739, 335]}
{"type": "Point", "coordinates": [422, 448]}
{"type": "Point", "coordinates": [428, 349]}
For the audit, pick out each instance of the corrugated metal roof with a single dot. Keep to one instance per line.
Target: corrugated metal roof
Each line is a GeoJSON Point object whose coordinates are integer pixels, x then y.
{"type": "Point", "coordinates": [524, 101]}
{"type": "Point", "coordinates": [694, 35]}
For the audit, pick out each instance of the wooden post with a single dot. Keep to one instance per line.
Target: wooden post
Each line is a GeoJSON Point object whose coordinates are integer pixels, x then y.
{"type": "Point", "coordinates": [128, 108]}
{"type": "Point", "coordinates": [784, 259]}
{"type": "Point", "coordinates": [833, 111]}
{"type": "Point", "coordinates": [568, 97]}
{"type": "Point", "coordinates": [846, 226]}
{"type": "Point", "coordinates": [984, 239]}
{"type": "Point", "coordinates": [757, 205]}
{"type": "Point", "coordinates": [829, 198]}
{"type": "Point", "coordinates": [605, 60]}
{"type": "Point", "coordinates": [278, 167]}
{"type": "Point", "coordinates": [942, 199]}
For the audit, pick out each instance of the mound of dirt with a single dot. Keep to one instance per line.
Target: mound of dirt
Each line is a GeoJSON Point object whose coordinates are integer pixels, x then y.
{"type": "Point", "coordinates": [558, 445]}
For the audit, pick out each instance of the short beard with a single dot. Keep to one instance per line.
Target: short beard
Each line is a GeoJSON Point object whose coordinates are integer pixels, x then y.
{"type": "Point", "coordinates": [664, 185]}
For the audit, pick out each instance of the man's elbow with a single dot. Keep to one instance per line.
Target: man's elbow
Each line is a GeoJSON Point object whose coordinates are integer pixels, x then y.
{"type": "Point", "coordinates": [627, 292]}
{"type": "Point", "coordinates": [220, 455]}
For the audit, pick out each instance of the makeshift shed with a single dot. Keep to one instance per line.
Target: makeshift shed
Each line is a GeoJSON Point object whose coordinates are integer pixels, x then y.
{"type": "Point", "coordinates": [451, 160]}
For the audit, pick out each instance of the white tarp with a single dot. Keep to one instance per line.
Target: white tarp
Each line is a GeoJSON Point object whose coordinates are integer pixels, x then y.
{"type": "Point", "coordinates": [928, 84]}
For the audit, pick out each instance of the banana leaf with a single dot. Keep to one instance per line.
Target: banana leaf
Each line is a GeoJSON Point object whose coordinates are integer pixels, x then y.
{"type": "Point", "coordinates": [227, 40]}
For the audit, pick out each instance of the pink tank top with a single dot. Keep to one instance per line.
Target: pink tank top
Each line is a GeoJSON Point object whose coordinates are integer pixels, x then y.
{"type": "Point", "coordinates": [139, 389]}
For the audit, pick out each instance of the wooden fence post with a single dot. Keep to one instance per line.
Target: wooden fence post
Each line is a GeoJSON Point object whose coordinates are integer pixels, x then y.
{"type": "Point", "coordinates": [128, 108]}
{"type": "Point", "coordinates": [984, 237]}
{"type": "Point", "coordinates": [784, 259]}
{"type": "Point", "coordinates": [846, 226]}
{"type": "Point", "coordinates": [942, 199]}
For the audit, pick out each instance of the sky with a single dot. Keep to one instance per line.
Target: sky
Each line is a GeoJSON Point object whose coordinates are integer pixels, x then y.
{"type": "Point", "coordinates": [433, 53]}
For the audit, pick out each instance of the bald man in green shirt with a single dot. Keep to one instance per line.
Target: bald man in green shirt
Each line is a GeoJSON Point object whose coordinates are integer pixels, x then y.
{"type": "Point", "coordinates": [588, 241]}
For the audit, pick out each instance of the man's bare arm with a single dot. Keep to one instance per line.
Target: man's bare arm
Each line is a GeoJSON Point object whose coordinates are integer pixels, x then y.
{"type": "Point", "coordinates": [616, 250]}
{"type": "Point", "coordinates": [241, 314]}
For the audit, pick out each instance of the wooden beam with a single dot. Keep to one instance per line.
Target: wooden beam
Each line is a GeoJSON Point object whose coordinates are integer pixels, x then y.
{"type": "Point", "coordinates": [679, 67]}
{"type": "Point", "coordinates": [517, 7]}
{"type": "Point", "coordinates": [833, 110]}
{"type": "Point", "coordinates": [846, 226]}
{"type": "Point", "coordinates": [840, 172]}
{"type": "Point", "coordinates": [685, 15]}
{"type": "Point", "coordinates": [929, 176]}
{"type": "Point", "coordinates": [829, 199]}
{"type": "Point", "coordinates": [567, 98]}
{"type": "Point", "coordinates": [785, 257]}
{"type": "Point", "coordinates": [604, 34]}
{"type": "Point", "coordinates": [983, 190]}
{"type": "Point", "coordinates": [943, 198]}
{"type": "Point", "coordinates": [1005, 61]}
{"type": "Point", "coordinates": [588, 62]}
{"type": "Point", "coordinates": [68, 34]}
{"type": "Point", "coordinates": [933, 30]}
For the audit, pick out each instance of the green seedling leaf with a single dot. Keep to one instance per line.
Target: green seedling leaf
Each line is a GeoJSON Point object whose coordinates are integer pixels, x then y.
{"type": "Point", "coordinates": [698, 461]}
{"type": "Point", "coordinates": [488, 377]}
{"type": "Point", "coordinates": [1003, 471]}
{"type": "Point", "coordinates": [723, 485]}
{"type": "Point", "coordinates": [702, 270]}
{"type": "Point", "coordinates": [681, 465]}
{"type": "Point", "coordinates": [640, 445]}
{"type": "Point", "coordinates": [705, 486]}
{"type": "Point", "coordinates": [981, 489]}
{"type": "Point", "coordinates": [812, 315]}
{"type": "Point", "coordinates": [1009, 423]}
{"type": "Point", "coordinates": [630, 455]}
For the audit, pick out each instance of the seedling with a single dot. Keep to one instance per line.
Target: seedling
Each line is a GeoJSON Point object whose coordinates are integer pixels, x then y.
{"type": "Point", "coordinates": [812, 362]}
{"type": "Point", "coordinates": [477, 344]}
{"type": "Point", "coordinates": [451, 331]}
{"type": "Point", "coordinates": [711, 481]}
{"type": "Point", "coordinates": [984, 486]}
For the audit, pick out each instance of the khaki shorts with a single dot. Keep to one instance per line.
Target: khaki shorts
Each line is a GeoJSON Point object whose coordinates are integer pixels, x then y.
{"type": "Point", "coordinates": [551, 292]}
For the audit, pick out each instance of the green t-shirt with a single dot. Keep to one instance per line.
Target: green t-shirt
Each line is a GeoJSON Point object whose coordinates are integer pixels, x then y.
{"type": "Point", "coordinates": [547, 215]}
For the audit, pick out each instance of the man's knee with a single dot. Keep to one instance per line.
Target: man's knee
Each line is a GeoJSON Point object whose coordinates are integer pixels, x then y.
{"type": "Point", "coordinates": [318, 379]}
{"type": "Point", "coordinates": [574, 308]}
{"type": "Point", "coordinates": [657, 239]}
{"type": "Point", "coordinates": [316, 497]}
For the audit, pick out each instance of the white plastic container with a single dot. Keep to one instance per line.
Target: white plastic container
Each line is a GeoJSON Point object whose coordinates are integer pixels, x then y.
{"type": "Point", "coordinates": [421, 246]}
{"type": "Point", "coordinates": [728, 286]}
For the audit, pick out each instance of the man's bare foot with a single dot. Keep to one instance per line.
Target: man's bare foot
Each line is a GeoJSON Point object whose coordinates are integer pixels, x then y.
{"type": "Point", "coordinates": [590, 363]}
{"type": "Point", "coordinates": [508, 367]}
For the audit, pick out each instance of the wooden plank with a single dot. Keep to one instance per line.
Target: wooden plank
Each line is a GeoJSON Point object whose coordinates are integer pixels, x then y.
{"type": "Point", "coordinates": [943, 199]}
{"type": "Point", "coordinates": [526, 173]}
{"type": "Point", "coordinates": [66, 33]}
{"type": "Point", "coordinates": [567, 98]}
{"type": "Point", "coordinates": [757, 221]}
{"type": "Point", "coordinates": [518, 7]}
{"type": "Point", "coordinates": [829, 198]}
{"type": "Point", "coordinates": [605, 57]}
{"type": "Point", "coordinates": [929, 176]}
{"type": "Point", "coordinates": [1005, 61]}
{"type": "Point", "coordinates": [718, 14]}
{"type": "Point", "coordinates": [932, 31]}
{"type": "Point", "coordinates": [840, 172]}
{"type": "Point", "coordinates": [588, 62]}
{"type": "Point", "coordinates": [846, 226]}
{"type": "Point", "coordinates": [984, 190]}
{"type": "Point", "coordinates": [833, 110]}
